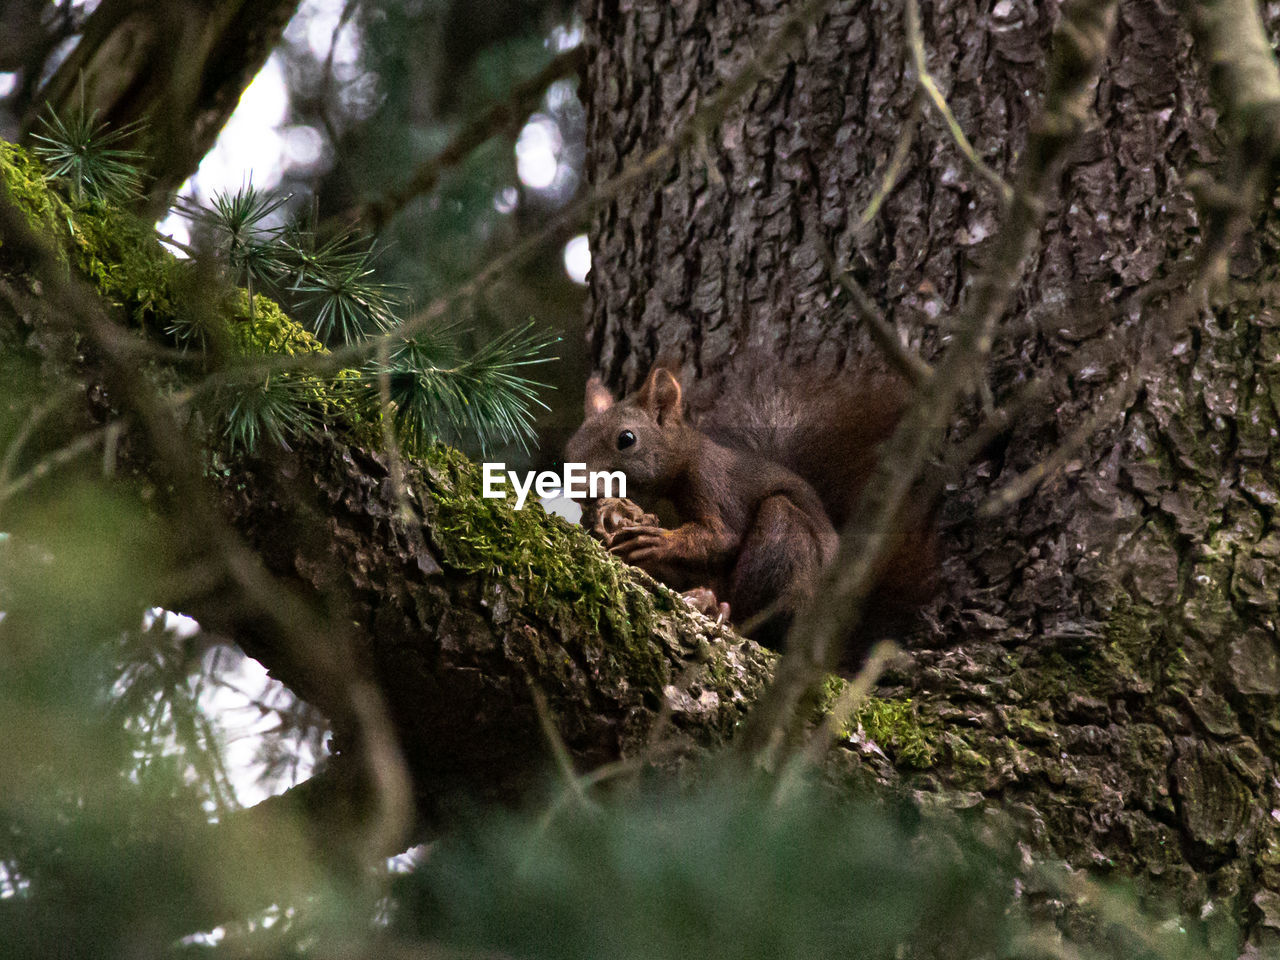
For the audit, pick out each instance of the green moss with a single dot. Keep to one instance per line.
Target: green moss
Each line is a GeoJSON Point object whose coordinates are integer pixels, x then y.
{"type": "Point", "coordinates": [122, 257]}
{"type": "Point", "coordinates": [125, 261]}
{"type": "Point", "coordinates": [1028, 727]}
{"type": "Point", "coordinates": [894, 725]}
{"type": "Point", "coordinates": [963, 754]}
{"type": "Point", "coordinates": [723, 678]}
{"type": "Point", "coordinates": [1133, 647]}
{"type": "Point", "coordinates": [267, 329]}
{"type": "Point", "coordinates": [1130, 637]}
{"type": "Point", "coordinates": [24, 180]}
{"type": "Point", "coordinates": [567, 577]}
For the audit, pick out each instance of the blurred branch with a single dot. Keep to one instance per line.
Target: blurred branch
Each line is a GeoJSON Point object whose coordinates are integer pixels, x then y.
{"type": "Point", "coordinates": [1111, 406]}
{"type": "Point", "coordinates": [853, 696]}
{"type": "Point", "coordinates": [180, 65]}
{"type": "Point", "coordinates": [782, 38]}
{"type": "Point", "coordinates": [289, 839]}
{"type": "Point", "coordinates": [906, 361]}
{"type": "Point", "coordinates": [499, 117]}
{"type": "Point", "coordinates": [19, 440]}
{"type": "Point", "coordinates": [893, 171]}
{"type": "Point", "coordinates": [46, 465]}
{"type": "Point", "coordinates": [326, 75]}
{"type": "Point", "coordinates": [1233, 42]}
{"type": "Point", "coordinates": [1231, 39]}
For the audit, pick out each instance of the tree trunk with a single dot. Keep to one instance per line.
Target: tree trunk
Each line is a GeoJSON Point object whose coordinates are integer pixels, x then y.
{"type": "Point", "coordinates": [1101, 658]}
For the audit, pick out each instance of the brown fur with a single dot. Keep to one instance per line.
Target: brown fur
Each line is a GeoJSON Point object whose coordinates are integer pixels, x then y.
{"type": "Point", "coordinates": [756, 484]}
{"type": "Point", "coordinates": [829, 429]}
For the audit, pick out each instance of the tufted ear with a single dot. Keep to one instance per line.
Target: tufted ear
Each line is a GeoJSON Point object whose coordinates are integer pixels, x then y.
{"type": "Point", "coordinates": [599, 399]}
{"type": "Point", "coordinates": [661, 396]}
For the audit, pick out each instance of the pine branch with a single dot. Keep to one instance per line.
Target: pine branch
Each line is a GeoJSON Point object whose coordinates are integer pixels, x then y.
{"type": "Point", "coordinates": [82, 153]}
{"type": "Point", "coordinates": [434, 392]}
{"type": "Point", "coordinates": [436, 395]}
{"type": "Point", "coordinates": [240, 224]}
{"type": "Point", "coordinates": [335, 281]}
{"type": "Point", "coordinates": [280, 408]}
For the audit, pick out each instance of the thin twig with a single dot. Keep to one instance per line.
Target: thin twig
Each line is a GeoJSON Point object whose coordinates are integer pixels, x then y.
{"type": "Point", "coordinates": [177, 244]}
{"type": "Point", "coordinates": [523, 99]}
{"type": "Point", "coordinates": [37, 415]}
{"type": "Point", "coordinates": [399, 489]}
{"type": "Point", "coordinates": [110, 447]}
{"type": "Point", "coordinates": [124, 340]}
{"type": "Point", "coordinates": [897, 160]}
{"type": "Point", "coordinates": [915, 41]}
{"type": "Point", "coordinates": [853, 696]}
{"type": "Point", "coordinates": [962, 454]}
{"type": "Point", "coordinates": [559, 752]}
{"type": "Point", "coordinates": [1118, 400]}
{"type": "Point", "coordinates": [603, 773]}
{"type": "Point", "coordinates": [906, 361]}
{"type": "Point", "coordinates": [326, 74]}
{"type": "Point", "coordinates": [46, 465]}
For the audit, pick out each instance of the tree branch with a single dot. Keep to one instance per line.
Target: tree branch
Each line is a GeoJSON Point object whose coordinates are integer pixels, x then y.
{"type": "Point", "coordinates": [915, 43]}
{"type": "Point", "coordinates": [77, 307]}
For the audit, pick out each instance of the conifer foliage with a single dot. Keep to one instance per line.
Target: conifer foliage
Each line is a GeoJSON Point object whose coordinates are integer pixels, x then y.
{"type": "Point", "coordinates": [428, 387]}
{"type": "Point", "coordinates": [88, 158]}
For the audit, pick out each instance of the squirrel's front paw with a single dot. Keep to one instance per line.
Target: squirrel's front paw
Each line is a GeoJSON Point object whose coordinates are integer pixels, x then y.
{"type": "Point", "coordinates": [642, 544]}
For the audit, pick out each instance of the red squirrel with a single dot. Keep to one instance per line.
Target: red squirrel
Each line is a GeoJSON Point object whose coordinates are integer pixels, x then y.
{"type": "Point", "coordinates": [759, 482]}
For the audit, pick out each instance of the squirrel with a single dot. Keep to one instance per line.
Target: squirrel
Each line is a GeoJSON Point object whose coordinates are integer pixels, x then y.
{"type": "Point", "coordinates": [760, 479]}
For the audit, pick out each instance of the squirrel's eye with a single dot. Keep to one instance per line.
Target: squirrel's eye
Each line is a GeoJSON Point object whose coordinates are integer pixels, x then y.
{"type": "Point", "coordinates": [625, 439]}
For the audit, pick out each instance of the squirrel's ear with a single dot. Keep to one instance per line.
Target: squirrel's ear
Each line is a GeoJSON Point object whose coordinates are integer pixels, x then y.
{"type": "Point", "coordinates": [661, 395]}
{"type": "Point", "coordinates": [599, 399]}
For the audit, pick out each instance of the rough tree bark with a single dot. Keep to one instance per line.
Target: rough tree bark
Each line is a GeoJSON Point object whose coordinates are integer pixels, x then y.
{"type": "Point", "coordinates": [1102, 658]}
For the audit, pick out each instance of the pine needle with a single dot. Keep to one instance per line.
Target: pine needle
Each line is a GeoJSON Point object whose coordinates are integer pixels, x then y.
{"type": "Point", "coordinates": [87, 156]}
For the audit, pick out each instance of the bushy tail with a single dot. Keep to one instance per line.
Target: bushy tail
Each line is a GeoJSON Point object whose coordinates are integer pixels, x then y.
{"type": "Point", "coordinates": [827, 428]}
